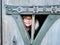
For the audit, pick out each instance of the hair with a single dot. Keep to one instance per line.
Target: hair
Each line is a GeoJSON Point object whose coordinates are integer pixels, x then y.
{"type": "Point", "coordinates": [26, 17]}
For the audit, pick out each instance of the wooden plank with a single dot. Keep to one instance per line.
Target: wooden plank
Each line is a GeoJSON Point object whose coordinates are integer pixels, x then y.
{"type": "Point", "coordinates": [45, 27]}
{"type": "Point", "coordinates": [22, 30]}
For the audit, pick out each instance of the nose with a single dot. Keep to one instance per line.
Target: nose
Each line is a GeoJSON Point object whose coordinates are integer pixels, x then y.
{"type": "Point", "coordinates": [27, 20]}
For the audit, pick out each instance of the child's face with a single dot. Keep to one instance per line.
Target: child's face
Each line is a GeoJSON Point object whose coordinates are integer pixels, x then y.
{"type": "Point", "coordinates": [27, 20]}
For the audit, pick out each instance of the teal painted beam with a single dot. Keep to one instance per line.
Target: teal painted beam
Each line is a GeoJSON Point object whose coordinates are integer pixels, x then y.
{"type": "Point", "coordinates": [0, 23]}
{"type": "Point", "coordinates": [47, 9]}
{"type": "Point", "coordinates": [44, 29]}
{"type": "Point", "coordinates": [22, 30]}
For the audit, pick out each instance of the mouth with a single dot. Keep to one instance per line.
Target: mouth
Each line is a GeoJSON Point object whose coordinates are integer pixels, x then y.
{"type": "Point", "coordinates": [27, 24]}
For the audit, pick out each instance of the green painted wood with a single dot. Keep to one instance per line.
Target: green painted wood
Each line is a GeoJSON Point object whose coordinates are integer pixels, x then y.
{"type": "Point", "coordinates": [0, 23]}
{"type": "Point", "coordinates": [47, 9]}
{"type": "Point", "coordinates": [45, 27]}
{"type": "Point", "coordinates": [21, 27]}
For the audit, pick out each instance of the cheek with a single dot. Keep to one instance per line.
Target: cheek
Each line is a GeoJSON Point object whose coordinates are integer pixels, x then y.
{"type": "Point", "coordinates": [31, 22]}
{"type": "Point", "coordinates": [24, 21]}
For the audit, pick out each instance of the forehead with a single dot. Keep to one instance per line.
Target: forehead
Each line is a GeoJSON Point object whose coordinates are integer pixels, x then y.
{"type": "Point", "coordinates": [27, 16]}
